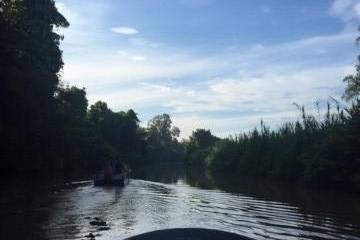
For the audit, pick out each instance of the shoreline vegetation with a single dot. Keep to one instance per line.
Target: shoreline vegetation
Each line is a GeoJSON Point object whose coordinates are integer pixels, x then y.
{"type": "Point", "coordinates": [322, 152]}
{"type": "Point", "coordinates": [47, 126]}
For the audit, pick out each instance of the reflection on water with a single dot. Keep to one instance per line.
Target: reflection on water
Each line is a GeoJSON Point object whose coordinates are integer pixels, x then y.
{"type": "Point", "coordinates": [254, 209]}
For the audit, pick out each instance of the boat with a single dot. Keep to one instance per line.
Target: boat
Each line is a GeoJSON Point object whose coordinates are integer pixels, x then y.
{"type": "Point", "coordinates": [115, 173]}
{"type": "Point", "coordinates": [116, 180]}
{"type": "Point", "coordinates": [189, 234]}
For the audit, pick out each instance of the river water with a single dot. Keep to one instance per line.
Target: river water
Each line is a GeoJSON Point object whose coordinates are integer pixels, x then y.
{"type": "Point", "coordinates": [253, 209]}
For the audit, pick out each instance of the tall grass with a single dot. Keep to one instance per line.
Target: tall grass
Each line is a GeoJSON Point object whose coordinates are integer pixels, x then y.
{"type": "Point", "coordinates": [322, 150]}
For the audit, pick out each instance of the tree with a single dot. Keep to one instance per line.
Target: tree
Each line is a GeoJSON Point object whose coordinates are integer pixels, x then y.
{"type": "Point", "coordinates": [352, 90]}
{"type": "Point", "coordinates": [75, 135]}
{"type": "Point", "coordinates": [203, 138]}
{"type": "Point", "coordinates": [161, 131]}
{"type": "Point", "coordinates": [162, 144]}
{"type": "Point", "coordinates": [30, 59]}
{"type": "Point", "coordinates": [72, 102]}
{"type": "Point", "coordinates": [120, 131]}
{"type": "Point", "coordinates": [200, 143]}
{"type": "Point", "coordinates": [98, 112]}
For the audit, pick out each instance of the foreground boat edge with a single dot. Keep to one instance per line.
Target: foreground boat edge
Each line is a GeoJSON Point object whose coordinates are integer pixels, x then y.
{"type": "Point", "coordinates": [188, 234]}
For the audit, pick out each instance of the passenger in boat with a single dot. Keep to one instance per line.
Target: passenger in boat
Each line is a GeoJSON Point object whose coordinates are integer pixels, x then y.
{"type": "Point", "coordinates": [108, 173]}
{"type": "Point", "coordinates": [118, 168]}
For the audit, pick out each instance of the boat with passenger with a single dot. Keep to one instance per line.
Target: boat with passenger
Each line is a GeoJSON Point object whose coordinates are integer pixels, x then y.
{"type": "Point", "coordinates": [118, 175]}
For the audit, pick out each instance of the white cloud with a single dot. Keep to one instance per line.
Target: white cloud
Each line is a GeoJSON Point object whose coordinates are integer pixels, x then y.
{"type": "Point", "coordinates": [301, 47]}
{"type": "Point", "coordinates": [141, 42]}
{"type": "Point", "coordinates": [276, 90]}
{"type": "Point", "coordinates": [347, 10]}
{"type": "Point", "coordinates": [123, 52]}
{"type": "Point", "coordinates": [103, 69]}
{"type": "Point", "coordinates": [130, 56]}
{"type": "Point", "coordinates": [156, 87]}
{"type": "Point", "coordinates": [138, 58]}
{"type": "Point", "coordinates": [269, 98]}
{"type": "Point", "coordinates": [70, 15]}
{"type": "Point", "coordinates": [78, 39]}
{"type": "Point", "coordinates": [125, 30]}
{"type": "Point", "coordinates": [224, 127]}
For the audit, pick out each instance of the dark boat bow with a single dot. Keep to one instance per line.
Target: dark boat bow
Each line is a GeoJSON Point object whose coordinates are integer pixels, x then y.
{"type": "Point", "coordinates": [188, 234]}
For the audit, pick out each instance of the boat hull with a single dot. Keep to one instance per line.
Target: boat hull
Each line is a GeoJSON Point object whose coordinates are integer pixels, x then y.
{"type": "Point", "coordinates": [188, 234]}
{"type": "Point", "coordinates": [117, 180]}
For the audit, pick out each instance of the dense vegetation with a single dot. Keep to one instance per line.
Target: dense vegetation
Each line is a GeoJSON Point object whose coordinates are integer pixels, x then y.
{"type": "Point", "coordinates": [45, 126]}
{"type": "Point", "coordinates": [316, 150]}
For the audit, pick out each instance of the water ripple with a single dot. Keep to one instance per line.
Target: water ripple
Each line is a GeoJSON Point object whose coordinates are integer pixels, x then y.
{"type": "Point", "coordinates": [144, 206]}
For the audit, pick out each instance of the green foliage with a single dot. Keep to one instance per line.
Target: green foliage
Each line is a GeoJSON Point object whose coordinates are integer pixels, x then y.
{"type": "Point", "coordinates": [315, 152]}
{"type": "Point", "coordinates": [161, 132]}
{"type": "Point", "coordinates": [30, 60]}
{"type": "Point", "coordinates": [72, 103]}
{"type": "Point", "coordinates": [118, 130]}
{"type": "Point", "coordinates": [197, 149]}
{"type": "Point", "coordinates": [222, 156]}
{"type": "Point", "coordinates": [352, 90]}
{"type": "Point", "coordinates": [163, 145]}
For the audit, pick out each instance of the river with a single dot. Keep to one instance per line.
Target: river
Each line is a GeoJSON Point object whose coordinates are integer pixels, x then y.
{"type": "Point", "coordinates": [253, 209]}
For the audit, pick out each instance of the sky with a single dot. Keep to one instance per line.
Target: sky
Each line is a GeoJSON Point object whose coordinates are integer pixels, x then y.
{"type": "Point", "coordinates": [213, 64]}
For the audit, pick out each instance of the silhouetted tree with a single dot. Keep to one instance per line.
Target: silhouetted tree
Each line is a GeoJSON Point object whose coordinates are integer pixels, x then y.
{"type": "Point", "coordinates": [352, 90]}
{"type": "Point", "coordinates": [30, 60]}
{"type": "Point", "coordinates": [161, 132]}
{"type": "Point", "coordinates": [162, 143]}
{"type": "Point", "coordinates": [197, 149]}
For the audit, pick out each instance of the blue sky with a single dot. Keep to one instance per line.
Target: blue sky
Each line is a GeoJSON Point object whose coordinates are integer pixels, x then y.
{"type": "Point", "coordinates": [221, 65]}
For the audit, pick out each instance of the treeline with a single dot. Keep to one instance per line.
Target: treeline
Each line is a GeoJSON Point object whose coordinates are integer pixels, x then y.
{"type": "Point", "coordinates": [89, 137]}
{"type": "Point", "coordinates": [319, 151]}
{"type": "Point", "coordinates": [46, 126]}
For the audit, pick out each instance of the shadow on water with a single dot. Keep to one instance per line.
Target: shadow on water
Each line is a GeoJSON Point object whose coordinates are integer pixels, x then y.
{"type": "Point", "coordinates": [257, 188]}
{"type": "Point", "coordinates": [161, 172]}
{"type": "Point", "coordinates": [26, 204]}
{"type": "Point", "coordinates": [318, 207]}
